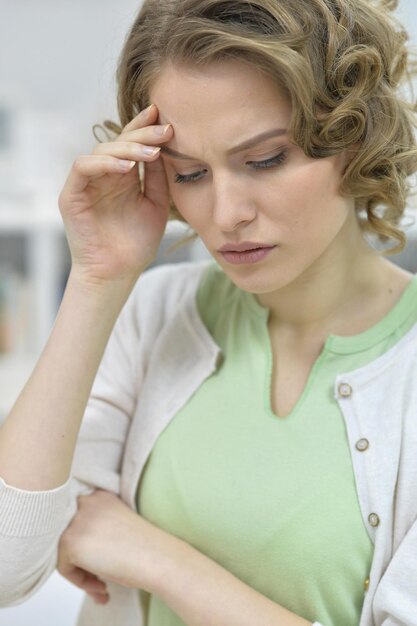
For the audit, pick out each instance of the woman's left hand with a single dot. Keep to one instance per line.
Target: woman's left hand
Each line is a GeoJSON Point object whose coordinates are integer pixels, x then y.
{"type": "Point", "coordinates": [108, 541]}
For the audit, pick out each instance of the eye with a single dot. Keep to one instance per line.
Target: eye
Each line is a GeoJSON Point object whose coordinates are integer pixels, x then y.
{"type": "Point", "coordinates": [189, 178]}
{"type": "Point", "coordinates": [272, 162]}
{"type": "Point", "coordinates": [256, 165]}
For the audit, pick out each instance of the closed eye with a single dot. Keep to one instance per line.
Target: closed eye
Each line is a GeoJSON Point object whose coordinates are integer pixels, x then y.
{"type": "Point", "coordinates": [189, 178]}
{"type": "Point", "coordinates": [272, 162]}
{"type": "Point", "coordinates": [255, 165]}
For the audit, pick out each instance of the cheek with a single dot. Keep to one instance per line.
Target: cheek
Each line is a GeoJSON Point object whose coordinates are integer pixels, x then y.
{"type": "Point", "coordinates": [182, 201]}
{"type": "Point", "coordinates": [291, 200]}
{"type": "Point", "coordinates": [190, 203]}
{"type": "Point", "coordinates": [313, 191]}
{"type": "Point", "coordinates": [306, 205]}
{"type": "Point", "coordinates": [192, 212]}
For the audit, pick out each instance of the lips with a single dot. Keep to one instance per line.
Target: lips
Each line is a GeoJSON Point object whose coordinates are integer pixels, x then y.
{"type": "Point", "coordinates": [246, 252]}
{"type": "Point", "coordinates": [244, 246]}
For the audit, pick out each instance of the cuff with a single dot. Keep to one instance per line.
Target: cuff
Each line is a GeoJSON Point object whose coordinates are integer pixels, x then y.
{"type": "Point", "coordinates": [30, 513]}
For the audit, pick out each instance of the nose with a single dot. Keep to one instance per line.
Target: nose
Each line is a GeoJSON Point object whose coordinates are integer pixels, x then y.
{"type": "Point", "coordinates": [233, 205]}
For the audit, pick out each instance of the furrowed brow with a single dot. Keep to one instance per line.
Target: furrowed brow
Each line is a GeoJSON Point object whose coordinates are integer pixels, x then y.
{"type": "Point", "coordinates": [249, 143]}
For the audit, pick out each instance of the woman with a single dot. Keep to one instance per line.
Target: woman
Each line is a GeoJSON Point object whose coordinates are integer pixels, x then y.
{"type": "Point", "coordinates": [255, 413]}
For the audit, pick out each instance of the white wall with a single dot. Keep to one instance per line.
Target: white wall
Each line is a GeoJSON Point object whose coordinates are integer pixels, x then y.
{"type": "Point", "coordinates": [57, 62]}
{"type": "Point", "coordinates": [61, 54]}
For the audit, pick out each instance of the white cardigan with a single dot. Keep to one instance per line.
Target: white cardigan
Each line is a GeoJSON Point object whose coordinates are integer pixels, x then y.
{"type": "Point", "coordinates": [157, 356]}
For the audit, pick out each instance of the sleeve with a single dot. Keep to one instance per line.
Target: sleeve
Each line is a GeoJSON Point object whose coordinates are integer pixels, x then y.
{"type": "Point", "coordinates": [112, 402]}
{"type": "Point", "coordinates": [31, 522]}
{"type": "Point", "coordinates": [395, 600]}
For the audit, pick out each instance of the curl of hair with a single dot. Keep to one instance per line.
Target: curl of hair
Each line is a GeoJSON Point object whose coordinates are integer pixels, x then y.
{"type": "Point", "coordinates": [341, 63]}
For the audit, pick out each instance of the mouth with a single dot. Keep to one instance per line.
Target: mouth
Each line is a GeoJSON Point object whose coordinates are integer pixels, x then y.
{"type": "Point", "coordinates": [245, 246]}
{"type": "Point", "coordinates": [247, 256]}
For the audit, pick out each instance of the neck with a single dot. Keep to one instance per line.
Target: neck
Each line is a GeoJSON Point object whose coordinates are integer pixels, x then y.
{"type": "Point", "coordinates": [326, 298]}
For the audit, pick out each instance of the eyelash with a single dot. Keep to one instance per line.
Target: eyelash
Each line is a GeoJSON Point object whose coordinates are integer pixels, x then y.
{"type": "Point", "coordinates": [257, 165]}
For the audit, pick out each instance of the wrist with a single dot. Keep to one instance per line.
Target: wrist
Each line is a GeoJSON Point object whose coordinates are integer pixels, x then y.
{"type": "Point", "coordinates": [168, 554]}
{"type": "Point", "coordinates": [113, 290]}
{"type": "Point", "coordinates": [200, 591]}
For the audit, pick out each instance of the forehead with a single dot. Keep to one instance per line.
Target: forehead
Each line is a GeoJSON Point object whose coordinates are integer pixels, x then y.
{"type": "Point", "coordinates": [226, 92]}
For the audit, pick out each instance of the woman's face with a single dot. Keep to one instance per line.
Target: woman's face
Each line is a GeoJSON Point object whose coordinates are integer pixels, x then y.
{"type": "Point", "coordinates": [236, 176]}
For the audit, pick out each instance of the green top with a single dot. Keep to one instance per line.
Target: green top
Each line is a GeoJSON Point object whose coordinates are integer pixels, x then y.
{"type": "Point", "coordinates": [272, 500]}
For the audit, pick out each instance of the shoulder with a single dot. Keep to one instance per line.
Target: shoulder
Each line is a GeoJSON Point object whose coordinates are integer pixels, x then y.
{"type": "Point", "coordinates": [398, 364]}
{"type": "Point", "coordinates": [173, 281]}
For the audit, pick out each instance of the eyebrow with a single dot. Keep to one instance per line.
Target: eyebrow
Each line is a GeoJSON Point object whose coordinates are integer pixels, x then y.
{"type": "Point", "coordinates": [249, 143]}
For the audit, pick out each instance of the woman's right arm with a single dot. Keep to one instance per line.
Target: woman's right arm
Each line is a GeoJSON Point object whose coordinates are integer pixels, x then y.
{"type": "Point", "coordinates": [113, 228]}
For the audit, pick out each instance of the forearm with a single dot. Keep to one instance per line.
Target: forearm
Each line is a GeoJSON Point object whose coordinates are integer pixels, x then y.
{"type": "Point", "coordinates": [38, 437]}
{"type": "Point", "coordinates": [202, 593]}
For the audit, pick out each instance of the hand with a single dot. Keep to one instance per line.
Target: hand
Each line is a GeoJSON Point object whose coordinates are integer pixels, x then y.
{"type": "Point", "coordinates": [113, 226]}
{"type": "Point", "coordinates": [107, 541]}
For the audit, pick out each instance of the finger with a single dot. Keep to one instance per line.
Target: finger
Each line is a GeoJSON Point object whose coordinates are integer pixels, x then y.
{"type": "Point", "coordinates": [100, 598]}
{"type": "Point", "coordinates": [128, 149]}
{"type": "Point", "coordinates": [142, 119]}
{"type": "Point", "coordinates": [92, 166]}
{"type": "Point", "coordinates": [92, 588]}
{"type": "Point", "coordinates": [92, 584]}
{"type": "Point", "coordinates": [156, 185]}
{"type": "Point", "coordinates": [84, 580]}
{"type": "Point", "coordinates": [147, 135]}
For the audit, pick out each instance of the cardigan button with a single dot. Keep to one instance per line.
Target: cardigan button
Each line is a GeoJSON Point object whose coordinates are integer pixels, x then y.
{"type": "Point", "coordinates": [362, 445]}
{"type": "Point", "coordinates": [345, 390]}
{"type": "Point", "coordinates": [366, 584]}
{"type": "Point", "coordinates": [373, 519]}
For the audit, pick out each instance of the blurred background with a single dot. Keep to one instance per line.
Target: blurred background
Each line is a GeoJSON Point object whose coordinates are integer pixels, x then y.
{"type": "Point", "coordinates": [57, 67]}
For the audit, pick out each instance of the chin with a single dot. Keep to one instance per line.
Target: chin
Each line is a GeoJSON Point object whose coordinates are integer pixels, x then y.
{"type": "Point", "coordinates": [256, 280]}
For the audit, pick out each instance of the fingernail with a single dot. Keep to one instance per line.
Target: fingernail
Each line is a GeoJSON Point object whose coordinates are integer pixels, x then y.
{"type": "Point", "coordinates": [126, 165]}
{"type": "Point", "coordinates": [161, 130]}
{"type": "Point", "coordinates": [150, 151]}
{"type": "Point", "coordinates": [148, 109]}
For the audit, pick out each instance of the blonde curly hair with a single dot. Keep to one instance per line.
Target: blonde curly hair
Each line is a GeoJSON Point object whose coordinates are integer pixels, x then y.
{"type": "Point", "coordinates": [341, 62]}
